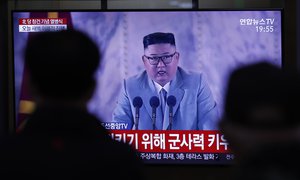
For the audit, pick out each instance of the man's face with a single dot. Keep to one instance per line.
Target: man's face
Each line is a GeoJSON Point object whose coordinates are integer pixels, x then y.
{"type": "Point", "coordinates": [161, 61]}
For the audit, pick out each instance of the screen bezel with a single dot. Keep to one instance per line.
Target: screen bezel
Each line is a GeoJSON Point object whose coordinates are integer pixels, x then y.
{"type": "Point", "coordinates": [13, 118]}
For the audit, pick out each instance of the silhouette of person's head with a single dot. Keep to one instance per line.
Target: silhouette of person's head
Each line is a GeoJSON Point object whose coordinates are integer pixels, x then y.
{"type": "Point", "coordinates": [260, 107]}
{"type": "Point", "coordinates": [61, 138]}
{"type": "Point", "coordinates": [62, 65]}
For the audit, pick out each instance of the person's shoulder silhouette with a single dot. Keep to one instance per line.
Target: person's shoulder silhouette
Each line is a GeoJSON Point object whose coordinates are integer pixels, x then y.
{"type": "Point", "coordinates": [61, 139]}
{"type": "Point", "coordinates": [273, 161]}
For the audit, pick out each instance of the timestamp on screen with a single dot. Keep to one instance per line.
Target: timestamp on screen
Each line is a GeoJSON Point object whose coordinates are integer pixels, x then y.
{"type": "Point", "coordinates": [264, 29]}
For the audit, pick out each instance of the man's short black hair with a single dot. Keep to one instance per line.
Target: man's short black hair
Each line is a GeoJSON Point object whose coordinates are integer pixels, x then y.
{"type": "Point", "coordinates": [62, 64]}
{"type": "Point", "coordinates": [157, 38]}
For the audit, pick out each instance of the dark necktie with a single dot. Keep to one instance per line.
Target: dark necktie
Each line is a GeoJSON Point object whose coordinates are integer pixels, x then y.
{"type": "Point", "coordinates": [163, 97]}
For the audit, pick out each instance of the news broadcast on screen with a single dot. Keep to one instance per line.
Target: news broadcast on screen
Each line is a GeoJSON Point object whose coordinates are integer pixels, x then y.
{"type": "Point", "coordinates": [163, 74]}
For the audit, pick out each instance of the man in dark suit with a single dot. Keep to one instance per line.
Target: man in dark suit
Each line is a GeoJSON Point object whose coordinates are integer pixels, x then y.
{"type": "Point", "coordinates": [61, 139]}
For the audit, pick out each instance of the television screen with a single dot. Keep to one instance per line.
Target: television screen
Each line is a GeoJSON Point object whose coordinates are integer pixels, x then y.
{"type": "Point", "coordinates": [205, 46]}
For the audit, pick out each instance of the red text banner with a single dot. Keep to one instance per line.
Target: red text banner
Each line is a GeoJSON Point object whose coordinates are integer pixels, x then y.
{"type": "Point", "coordinates": [173, 141]}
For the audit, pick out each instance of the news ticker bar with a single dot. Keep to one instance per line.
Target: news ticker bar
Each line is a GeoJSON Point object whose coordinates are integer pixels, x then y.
{"type": "Point", "coordinates": [175, 141]}
{"type": "Point", "coordinates": [189, 158]}
{"type": "Point", "coordinates": [42, 24]}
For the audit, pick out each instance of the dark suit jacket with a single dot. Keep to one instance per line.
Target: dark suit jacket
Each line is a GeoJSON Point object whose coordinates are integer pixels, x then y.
{"type": "Point", "coordinates": [62, 143]}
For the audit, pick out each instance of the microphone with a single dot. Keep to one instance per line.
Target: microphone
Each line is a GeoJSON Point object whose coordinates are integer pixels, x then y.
{"type": "Point", "coordinates": [171, 101]}
{"type": "Point", "coordinates": [137, 103]}
{"type": "Point", "coordinates": [154, 103]}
